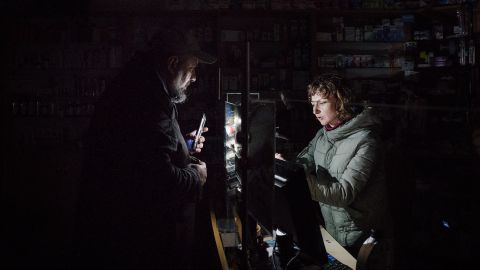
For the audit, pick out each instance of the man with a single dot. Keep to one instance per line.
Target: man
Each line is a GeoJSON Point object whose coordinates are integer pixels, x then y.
{"type": "Point", "coordinates": [140, 183]}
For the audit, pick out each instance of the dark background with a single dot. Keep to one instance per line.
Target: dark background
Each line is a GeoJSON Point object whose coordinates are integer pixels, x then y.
{"type": "Point", "coordinates": [58, 57]}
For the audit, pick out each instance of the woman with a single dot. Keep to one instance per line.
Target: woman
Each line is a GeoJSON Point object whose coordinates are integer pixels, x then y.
{"type": "Point", "coordinates": [345, 169]}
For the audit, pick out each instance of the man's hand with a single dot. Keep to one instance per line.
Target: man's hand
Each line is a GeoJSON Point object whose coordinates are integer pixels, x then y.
{"type": "Point", "coordinates": [201, 167]}
{"type": "Point", "coordinates": [201, 140]}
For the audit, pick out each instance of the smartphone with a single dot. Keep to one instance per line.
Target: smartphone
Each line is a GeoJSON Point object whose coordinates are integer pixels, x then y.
{"type": "Point", "coordinates": [199, 131]}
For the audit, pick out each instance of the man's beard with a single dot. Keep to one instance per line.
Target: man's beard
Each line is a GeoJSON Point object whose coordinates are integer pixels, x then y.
{"type": "Point", "coordinates": [179, 96]}
{"type": "Point", "coordinates": [176, 93]}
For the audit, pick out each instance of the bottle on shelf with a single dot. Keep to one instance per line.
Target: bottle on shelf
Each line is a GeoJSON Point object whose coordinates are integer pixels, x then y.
{"type": "Point", "coordinates": [471, 52]}
{"type": "Point", "coordinates": [461, 22]}
{"type": "Point", "coordinates": [461, 52]}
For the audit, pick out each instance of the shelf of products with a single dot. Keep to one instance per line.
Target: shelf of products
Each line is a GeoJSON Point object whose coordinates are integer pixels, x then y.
{"type": "Point", "coordinates": [368, 41]}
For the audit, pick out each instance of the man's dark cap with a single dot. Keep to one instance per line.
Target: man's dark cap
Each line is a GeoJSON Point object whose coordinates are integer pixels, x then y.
{"type": "Point", "coordinates": [178, 41]}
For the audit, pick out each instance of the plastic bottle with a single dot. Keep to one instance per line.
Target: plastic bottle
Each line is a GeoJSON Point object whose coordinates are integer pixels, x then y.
{"type": "Point", "coordinates": [461, 52]}
{"type": "Point", "coordinates": [471, 52]}
{"type": "Point", "coordinates": [461, 21]}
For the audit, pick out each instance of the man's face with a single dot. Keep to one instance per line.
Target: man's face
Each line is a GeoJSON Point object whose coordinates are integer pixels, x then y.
{"type": "Point", "coordinates": [324, 109]}
{"type": "Point", "coordinates": [183, 74]}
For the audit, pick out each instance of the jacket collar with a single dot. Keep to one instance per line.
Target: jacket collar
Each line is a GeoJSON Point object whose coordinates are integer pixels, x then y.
{"type": "Point", "coordinates": [167, 95]}
{"type": "Point", "coordinates": [361, 121]}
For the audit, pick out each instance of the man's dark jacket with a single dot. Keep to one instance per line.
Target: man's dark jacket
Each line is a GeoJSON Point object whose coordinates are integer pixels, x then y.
{"type": "Point", "coordinates": [137, 191]}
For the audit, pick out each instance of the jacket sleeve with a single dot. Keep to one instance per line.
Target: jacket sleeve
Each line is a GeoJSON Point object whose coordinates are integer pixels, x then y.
{"type": "Point", "coordinates": [183, 182]}
{"type": "Point", "coordinates": [305, 157]}
{"type": "Point", "coordinates": [343, 191]}
{"type": "Point", "coordinates": [167, 165]}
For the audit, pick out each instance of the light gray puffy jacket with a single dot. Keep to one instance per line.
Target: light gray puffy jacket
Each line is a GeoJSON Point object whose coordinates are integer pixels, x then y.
{"type": "Point", "coordinates": [350, 183]}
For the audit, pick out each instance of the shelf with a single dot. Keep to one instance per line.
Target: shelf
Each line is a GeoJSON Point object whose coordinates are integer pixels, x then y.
{"type": "Point", "coordinates": [356, 68]}
{"type": "Point", "coordinates": [280, 44]}
{"type": "Point", "coordinates": [439, 9]}
{"type": "Point", "coordinates": [50, 119]}
{"type": "Point", "coordinates": [67, 71]}
{"type": "Point", "coordinates": [66, 45]}
{"type": "Point", "coordinates": [189, 11]}
{"type": "Point", "coordinates": [368, 73]}
{"type": "Point", "coordinates": [451, 68]}
{"type": "Point", "coordinates": [445, 39]}
{"type": "Point", "coordinates": [230, 69]}
{"type": "Point", "coordinates": [78, 98]}
{"type": "Point", "coordinates": [201, 13]}
{"type": "Point", "coordinates": [363, 11]}
{"type": "Point", "coordinates": [358, 46]}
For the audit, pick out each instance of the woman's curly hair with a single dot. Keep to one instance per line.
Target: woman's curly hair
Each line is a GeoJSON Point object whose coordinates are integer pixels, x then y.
{"type": "Point", "coordinates": [333, 84]}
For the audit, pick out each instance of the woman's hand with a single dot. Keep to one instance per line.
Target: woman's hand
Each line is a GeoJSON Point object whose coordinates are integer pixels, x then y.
{"type": "Point", "coordinates": [279, 156]}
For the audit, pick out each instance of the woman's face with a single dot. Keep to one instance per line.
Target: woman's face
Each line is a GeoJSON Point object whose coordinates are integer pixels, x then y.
{"type": "Point", "coordinates": [324, 109]}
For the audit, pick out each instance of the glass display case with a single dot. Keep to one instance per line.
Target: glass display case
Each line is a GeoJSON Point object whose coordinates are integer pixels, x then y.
{"type": "Point", "coordinates": [232, 148]}
{"type": "Point", "coordinates": [259, 166]}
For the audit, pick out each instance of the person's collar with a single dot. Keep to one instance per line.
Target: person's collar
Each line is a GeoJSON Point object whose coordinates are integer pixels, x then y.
{"type": "Point", "coordinates": [165, 90]}
{"type": "Point", "coordinates": [164, 86]}
{"type": "Point", "coordinates": [329, 128]}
